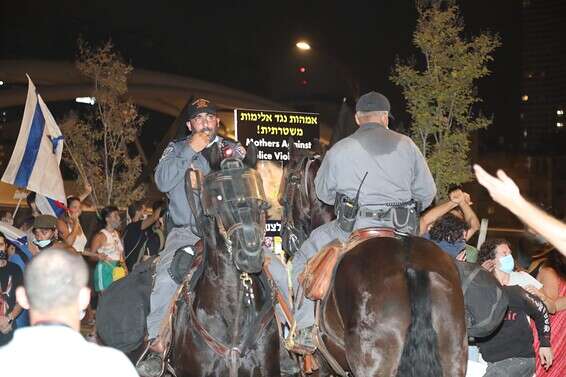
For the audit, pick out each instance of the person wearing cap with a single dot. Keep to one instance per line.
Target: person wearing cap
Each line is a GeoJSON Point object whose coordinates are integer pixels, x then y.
{"type": "Point", "coordinates": [397, 184]}
{"type": "Point", "coordinates": [180, 155]}
{"type": "Point", "coordinates": [45, 233]}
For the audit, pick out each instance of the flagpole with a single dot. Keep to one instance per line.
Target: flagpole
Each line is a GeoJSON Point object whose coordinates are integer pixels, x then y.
{"type": "Point", "coordinates": [83, 175]}
{"type": "Point", "coordinates": [17, 207]}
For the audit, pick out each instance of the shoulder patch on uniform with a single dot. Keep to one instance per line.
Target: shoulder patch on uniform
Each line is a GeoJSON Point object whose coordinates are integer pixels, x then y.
{"type": "Point", "coordinates": [240, 150]}
{"type": "Point", "coordinates": [170, 148]}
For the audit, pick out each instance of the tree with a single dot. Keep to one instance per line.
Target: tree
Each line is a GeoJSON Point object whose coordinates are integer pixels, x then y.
{"type": "Point", "coordinates": [99, 143]}
{"type": "Point", "coordinates": [441, 96]}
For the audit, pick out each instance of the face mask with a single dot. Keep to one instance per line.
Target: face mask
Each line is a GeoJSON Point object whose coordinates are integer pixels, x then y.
{"type": "Point", "coordinates": [452, 248]}
{"type": "Point", "coordinates": [42, 243]}
{"type": "Point", "coordinates": [506, 263]}
{"type": "Point", "coordinates": [82, 314]}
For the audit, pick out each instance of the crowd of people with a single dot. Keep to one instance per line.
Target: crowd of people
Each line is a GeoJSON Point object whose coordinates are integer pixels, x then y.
{"type": "Point", "coordinates": [47, 282]}
{"type": "Point", "coordinates": [110, 252]}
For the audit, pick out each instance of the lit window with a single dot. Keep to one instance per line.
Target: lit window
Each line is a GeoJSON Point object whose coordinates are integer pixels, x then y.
{"type": "Point", "coordinates": [525, 98]}
{"type": "Point", "coordinates": [559, 124]}
{"type": "Point", "coordinates": [559, 112]}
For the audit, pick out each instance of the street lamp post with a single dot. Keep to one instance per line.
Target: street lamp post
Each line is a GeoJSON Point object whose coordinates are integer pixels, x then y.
{"type": "Point", "coordinates": [304, 46]}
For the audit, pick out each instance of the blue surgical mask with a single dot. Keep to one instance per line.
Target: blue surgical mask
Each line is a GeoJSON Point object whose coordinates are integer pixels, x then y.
{"type": "Point", "coordinates": [42, 243]}
{"type": "Point", "coordinates": [506, 263]}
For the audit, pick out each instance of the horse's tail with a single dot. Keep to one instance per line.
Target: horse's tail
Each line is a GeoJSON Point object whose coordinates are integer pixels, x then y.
{"type": "Point", "coordinates": [420, 353]}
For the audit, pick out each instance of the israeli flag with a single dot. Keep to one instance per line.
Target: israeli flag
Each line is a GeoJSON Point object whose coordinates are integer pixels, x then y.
{"type": "Point", "coordinates": [49, 206]}
{"type": "Point", "coordinates": [15, 236]}
{"type": "Point", "coordinates": [34, 164]}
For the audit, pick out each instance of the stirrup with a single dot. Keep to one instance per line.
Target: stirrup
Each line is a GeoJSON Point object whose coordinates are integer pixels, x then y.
{"type": "Point", "coordinates": [295, 347]}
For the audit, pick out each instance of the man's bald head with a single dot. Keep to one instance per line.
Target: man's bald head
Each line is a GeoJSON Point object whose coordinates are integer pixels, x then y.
{"type": "Point", "coordinates": [53, 280]}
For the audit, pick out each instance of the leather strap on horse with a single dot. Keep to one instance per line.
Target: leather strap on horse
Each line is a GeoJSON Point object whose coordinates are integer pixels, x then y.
{"type": "Point", "coordinates": [319, 272]}
{"type": "Point", "coordinates": [321, 346]}
{"type": "Point", "coordinates": [232, 353]}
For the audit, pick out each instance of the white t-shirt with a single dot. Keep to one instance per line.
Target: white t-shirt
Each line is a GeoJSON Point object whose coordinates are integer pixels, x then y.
{"type": "Point", "coordinates": [523, 279]}
{"type": "Point", "coordinates": [59, 351]}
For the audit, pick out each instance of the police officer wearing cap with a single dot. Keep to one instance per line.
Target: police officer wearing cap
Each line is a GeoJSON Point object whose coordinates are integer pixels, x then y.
{"type": "Point", "coordinates": [387, 174]}
{"type": "Point", "coordinates": [177, 158]}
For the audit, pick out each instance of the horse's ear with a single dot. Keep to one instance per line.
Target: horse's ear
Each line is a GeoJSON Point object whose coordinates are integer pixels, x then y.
{"type": "Point", "coordinates": [317, 146]}
{"type": "Point", "coordinates": [291, 145]}
{"type": "Point", "coordinates": [251, 156]}
{"type": "Point", "coordinates": [293, 150]}
{"type": "Point", "coordinates": [215, 157]}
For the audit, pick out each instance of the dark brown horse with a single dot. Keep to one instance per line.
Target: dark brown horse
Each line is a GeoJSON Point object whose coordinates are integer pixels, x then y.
{"type": "Point", "coordinates": [226, 327]}
{"type": "Point", "coordinates": [395, 308]}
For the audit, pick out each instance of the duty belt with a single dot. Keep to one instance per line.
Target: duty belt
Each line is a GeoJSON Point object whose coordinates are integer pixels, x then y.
{"type": "Point", "coordinates": [379, 214]}
{"type": "Point", "coordinates": [384, 213]}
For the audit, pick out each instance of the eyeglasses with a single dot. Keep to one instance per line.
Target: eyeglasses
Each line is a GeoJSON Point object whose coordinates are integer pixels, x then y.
{"type": "Point", "coordinates": [203, 118]}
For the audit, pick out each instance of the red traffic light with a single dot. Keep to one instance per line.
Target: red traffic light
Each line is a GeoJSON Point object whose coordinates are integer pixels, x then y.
{"type": "Point", "coordinates": [302, 69]}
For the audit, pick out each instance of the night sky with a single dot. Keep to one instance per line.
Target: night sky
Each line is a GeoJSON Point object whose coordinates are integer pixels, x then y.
{"type": "Point", "coordinates": [238, 45]}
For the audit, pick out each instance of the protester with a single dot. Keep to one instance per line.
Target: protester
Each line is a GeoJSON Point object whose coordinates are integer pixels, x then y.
{"type": "Point", "coordinates": [7, 218]}
{"type": "Point", "coordinates": [505, 192]}
{"type": "Point", "coordinates": [451, 224]}
{"type": "Point", "coordinates": [55, 292]}
{"type": "Point", "coordinates": [10, 279]}
{"type": "Point", "coordinates": [138, 233]}
{"type": "Point", "coordinates": [509, 350]}
{"type": "Point", "coordinates": [459, 205]}
{"type": "Point", "coordinates": [45, 234]}
{"type": "Point", "coordinates": [108, 247]}
{"type": "Point", "coordinates": [69, 225]}
{"type": "Point", "coordinates": [550, 269]}
{"type": "Point", "coordinates": [19, 258]}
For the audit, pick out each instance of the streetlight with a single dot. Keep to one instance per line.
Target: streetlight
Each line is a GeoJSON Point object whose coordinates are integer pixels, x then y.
{"type": "Point", "coordinates": [303, 45]}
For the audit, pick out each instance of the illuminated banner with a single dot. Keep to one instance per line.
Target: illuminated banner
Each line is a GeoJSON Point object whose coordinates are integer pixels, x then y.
{"type": "Point", "coordinates": [270, 131]}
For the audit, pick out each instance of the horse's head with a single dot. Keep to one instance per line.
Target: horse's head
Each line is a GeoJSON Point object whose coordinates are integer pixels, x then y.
{"type": "Point", "coordinates": [233, 195]}
{"type": "Point", "coordinates": [302, 211]}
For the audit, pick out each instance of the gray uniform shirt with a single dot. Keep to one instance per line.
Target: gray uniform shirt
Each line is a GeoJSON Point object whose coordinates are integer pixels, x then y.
{"type": "Point", "coordinates": [170, 176]}
{"type": "Point", "coordinates": [397, 170]}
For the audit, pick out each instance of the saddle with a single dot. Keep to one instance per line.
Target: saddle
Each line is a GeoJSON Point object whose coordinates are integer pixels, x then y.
{"type": "Point", "coordinates": [319, 272]}
{"type": "Point", "coordinates": [316, 280]}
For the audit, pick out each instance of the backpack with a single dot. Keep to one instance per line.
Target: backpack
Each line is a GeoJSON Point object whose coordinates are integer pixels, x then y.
{"type": "Point", "coordinates": [485, 301]}
{"type": "Point", "coordinates": [123, 308]}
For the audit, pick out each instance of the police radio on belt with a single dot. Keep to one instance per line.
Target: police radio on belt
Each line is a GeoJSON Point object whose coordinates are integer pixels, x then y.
{"type": "Point", "coordinates": [347, 209]}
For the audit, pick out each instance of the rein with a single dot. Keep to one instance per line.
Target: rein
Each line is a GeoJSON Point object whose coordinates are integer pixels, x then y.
{"type": "Point", "coordinates": [297, 182]}
{"type": "Point", "coordinates": [237, 349]}
{"type": "Point", "coordinates": [232, 352]}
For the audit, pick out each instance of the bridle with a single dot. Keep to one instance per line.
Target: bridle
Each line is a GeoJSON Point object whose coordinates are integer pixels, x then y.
{"type": "Point", "coordinates": [242, 340]}
{"type": "Point", "coordinates": [294, 233]}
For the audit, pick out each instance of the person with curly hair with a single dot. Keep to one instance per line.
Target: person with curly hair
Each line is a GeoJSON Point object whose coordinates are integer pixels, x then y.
{"type": "Point", "coordinates": [451, 224]}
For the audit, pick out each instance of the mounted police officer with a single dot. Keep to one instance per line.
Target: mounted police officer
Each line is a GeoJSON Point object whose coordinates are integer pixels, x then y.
{"type": "Point", "coordinates": [375, 177]}
{"type": "Point", "coordinates": [179, 156]}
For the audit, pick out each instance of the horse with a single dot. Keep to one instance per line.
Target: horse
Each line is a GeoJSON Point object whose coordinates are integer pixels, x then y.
{"type": "Point", "coordinates": [395, 307]}
{"type": "Point", "coordinates": [226, 326]}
